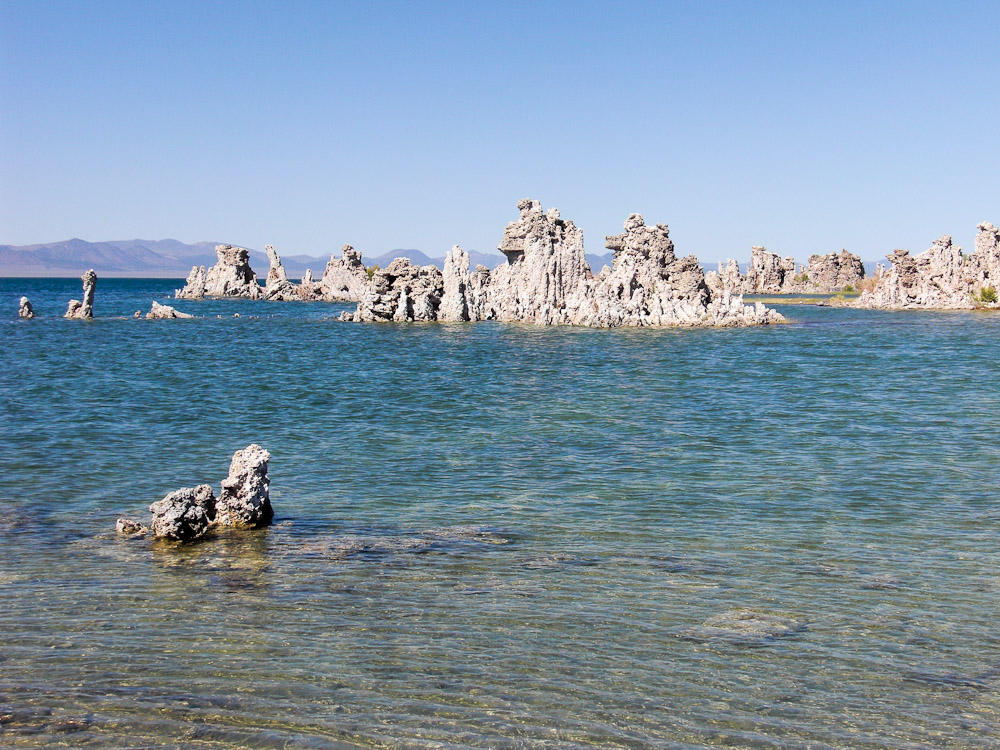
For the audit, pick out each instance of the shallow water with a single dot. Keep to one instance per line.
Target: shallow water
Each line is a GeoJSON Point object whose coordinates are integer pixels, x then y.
{"type": "Point", "coordinates": [500, 536]}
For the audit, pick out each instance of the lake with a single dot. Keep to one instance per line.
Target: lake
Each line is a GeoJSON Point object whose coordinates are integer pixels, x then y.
{"type": "Point", "coordinates": [500, 536]}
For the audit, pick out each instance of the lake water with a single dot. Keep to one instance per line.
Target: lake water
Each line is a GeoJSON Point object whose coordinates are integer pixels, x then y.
{"type": "Point", "coordinates": [500, 536]}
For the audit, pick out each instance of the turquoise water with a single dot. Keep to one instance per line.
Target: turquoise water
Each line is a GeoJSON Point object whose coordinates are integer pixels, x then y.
{"type": "Point", "coordinates": [501, 536]}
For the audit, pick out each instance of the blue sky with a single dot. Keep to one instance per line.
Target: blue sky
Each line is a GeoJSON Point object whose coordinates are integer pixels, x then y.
{"type": "Point", "coordinates": [805, 127]}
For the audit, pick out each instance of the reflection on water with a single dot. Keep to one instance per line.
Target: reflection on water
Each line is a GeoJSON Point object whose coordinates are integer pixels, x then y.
{"type": "Point", "coordinates": [500, 536]}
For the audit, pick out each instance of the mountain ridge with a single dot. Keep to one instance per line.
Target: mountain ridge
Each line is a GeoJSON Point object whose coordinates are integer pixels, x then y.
{"type": "Point", "coordinates": [171, 258]}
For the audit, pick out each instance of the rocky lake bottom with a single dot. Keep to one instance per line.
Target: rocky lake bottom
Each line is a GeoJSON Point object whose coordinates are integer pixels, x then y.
{"type": "Point", "coordinates": [499, 535]}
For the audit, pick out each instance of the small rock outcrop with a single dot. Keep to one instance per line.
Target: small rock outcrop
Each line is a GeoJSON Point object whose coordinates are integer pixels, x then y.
{"type": "Point", "coordinates": [245, 500]}
{"type": "Point", "coordinates": [345, 278]}
{"type": "Point", "coordinates": [191, 512]}
{"type": "Point", "coordinates": [25, 310]}
{"type": "Point", "coordinates": [165, 312]}
{"type": "Point", "coordinates": [84, 310]}
{"type": "Point", "coordinates": [401, 292]}
{"type": "Point", "coordinates": [309, 289]}
{"type": "Point", "coordinates": [278, 287]}
{"type": "Point", "coordinates": [194, 286]}
{"type": "Point", "coordinates": [456, 283]}
{"type": "Point", "coordinates": [834, 272]}
{"type": "Point", "coordinates": [231, 276]}
{"type": "Point", "coordinates": [941, 277]}
{"type": "Point", "coordinates": [184, 514]}
{"type": "Point", "coordinates": [769, 273]}
{"type": "Point", "coordinates": [128, 527]}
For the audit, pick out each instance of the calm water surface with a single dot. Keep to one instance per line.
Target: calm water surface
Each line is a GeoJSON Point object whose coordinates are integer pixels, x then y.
{"type": "Point", "coordinates": [500, 536]}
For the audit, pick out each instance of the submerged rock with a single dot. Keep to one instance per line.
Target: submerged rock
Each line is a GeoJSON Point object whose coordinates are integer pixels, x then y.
{"type": "Point", "coordinates": [25, 309]}
{"type": "Point", "coordinates": [184, 514]}
{"type": "Point", "coordinates": [164, 312]}
{"type": "Point", "coordinates": [128, 527]}
{"type": "Point", "coordinates": [84, 310]}
{"type": "Point", "coordinates": [245, 500]}
{"type": "Point", "coordinates": [941, 277]}
{"type": "Point", "coordinates": [745, 627]}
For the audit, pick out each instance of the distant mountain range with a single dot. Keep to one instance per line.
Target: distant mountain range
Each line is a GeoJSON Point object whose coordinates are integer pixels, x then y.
{"type": "Point", "coordinates": [171, 258]}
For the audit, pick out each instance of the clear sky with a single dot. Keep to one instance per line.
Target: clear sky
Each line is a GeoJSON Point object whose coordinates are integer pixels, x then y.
{"type": "Point", "coordinates": [802, 126]}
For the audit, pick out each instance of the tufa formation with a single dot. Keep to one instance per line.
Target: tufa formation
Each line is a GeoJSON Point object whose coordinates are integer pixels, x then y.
{"type": "Point", "coordinates": [84, 310]}
{"type": "Point", "coordinates": [190, 512]}
{"type": "Point", "coordinates": [941, 277]}
{"type": "Point", "coordinates": [547, 280]}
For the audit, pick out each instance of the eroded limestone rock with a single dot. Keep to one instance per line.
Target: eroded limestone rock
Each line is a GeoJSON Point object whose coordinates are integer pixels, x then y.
{"type": "Point", "coordinates": [649, 286]}
{"type": "Point", "coordinates": [834, 272]}
{"type": "Point", "coordinates": [25, 310]}
{"type": "Point", "coordinates": [768, 273]}
{"type": "Point", "coordinates": [231, 276]}
{"type": "Point", "coordinates": [345, 278]}
{"type": "Point", "coordinates": [402, 292]}
{"type": "Point", "coordinates": [309, 289]}
{"type": "Point", "coordinates": [194, 287]}
{"type": "Point", "coordinates": [547, 280]}
{"type": "Point", "coordinates": [184, 514]}
{"type": "Point", "coordinates": [545, 269]}
{"type": "Point", "coordinates": [245, 500]}
{"type": "Point", "coordinates": [278, 287]}
{"type": "Point", "coordinates": [190, 512]}
{"type": "Point", "coordinates": [165, 312]}
{"type": "Point", "coordinates": [456, 283]}
{"type": "Point", "coordinates": [941, 277]}
{"type": "Point", "coordinates": [84, 310]}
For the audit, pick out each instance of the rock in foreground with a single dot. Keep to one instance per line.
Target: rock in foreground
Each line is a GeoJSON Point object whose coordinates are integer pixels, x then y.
{"type": "Point", "coordinates": [191, 512]}
{"type": "Point", "coordinates": [245, 500]}
{"type": "Point", "coordinates": [184, 514]}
